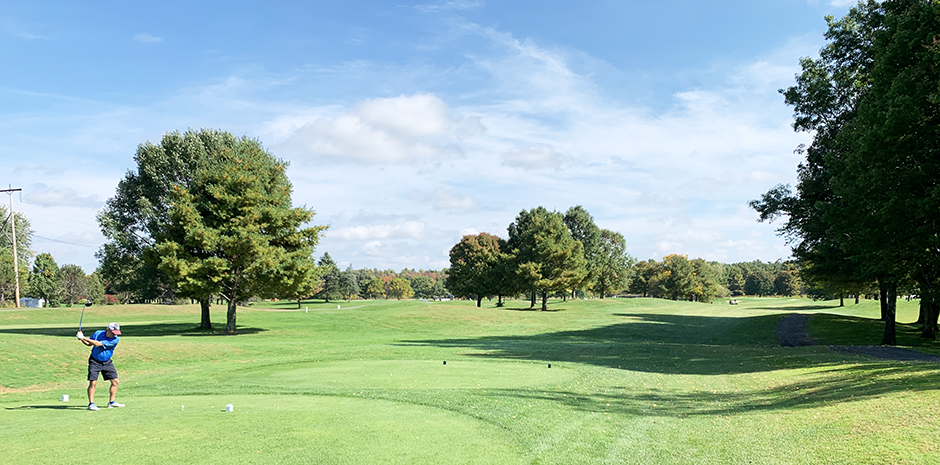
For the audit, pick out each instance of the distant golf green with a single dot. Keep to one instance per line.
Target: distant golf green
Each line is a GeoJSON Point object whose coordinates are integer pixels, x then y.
{"type": "Point", "coordinates": [411, 382]}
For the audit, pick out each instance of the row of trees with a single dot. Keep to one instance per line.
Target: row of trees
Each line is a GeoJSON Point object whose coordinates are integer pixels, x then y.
{"type": "Point", "coordinates": [677, 277]}
{"type": "Point", "coordinates": [546, 253]}
{"type": "Point", "coordinates": [864, 211]}
{"type": "Point", "coordinates": [376, 284]}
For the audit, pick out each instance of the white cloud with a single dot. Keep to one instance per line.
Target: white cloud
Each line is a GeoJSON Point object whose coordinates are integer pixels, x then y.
{"type": "Point", "coordinates": [147, 38]}
{"type": "Point", "coordinates": [446, 199]}
{"type": "Point", "coordinates": [408, 230]}
{"type": "Point", "coordinates": [45, 196]}
{"type": "Point", "coordinates": [401, 129]}
{"type": "Point", "coordinates": [538, 157]}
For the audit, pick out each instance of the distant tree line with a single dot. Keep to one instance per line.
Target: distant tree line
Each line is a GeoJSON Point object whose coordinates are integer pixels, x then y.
{"type": "Point", "coordinates": [372, 283]}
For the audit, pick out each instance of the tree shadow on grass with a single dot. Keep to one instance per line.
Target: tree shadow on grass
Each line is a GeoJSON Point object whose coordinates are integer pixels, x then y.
{"type": "Point", "coordinates": [536, 309]}
{"type": "Point", "coordinates": [840, 384]}
{"type": "Point", "coordinates": [795, 308]}
{"type": "Point", "coordinates": [137, 330]}
{"type": "Point", "coordinates": [700, 345]}
{"type": "Point", "coordinates": [659, 343]}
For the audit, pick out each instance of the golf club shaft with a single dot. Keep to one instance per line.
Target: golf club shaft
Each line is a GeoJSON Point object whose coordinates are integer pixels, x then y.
{"type": "Point", "coordinates": [82, 317]}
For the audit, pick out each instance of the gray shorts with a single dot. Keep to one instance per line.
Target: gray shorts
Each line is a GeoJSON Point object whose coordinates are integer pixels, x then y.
{"type": "Point", "coordinates": [105, 368]}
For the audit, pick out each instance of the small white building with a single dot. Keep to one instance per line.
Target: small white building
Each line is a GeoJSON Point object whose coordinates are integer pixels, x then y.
{"type": "Point", "coordinates": [32, 302]}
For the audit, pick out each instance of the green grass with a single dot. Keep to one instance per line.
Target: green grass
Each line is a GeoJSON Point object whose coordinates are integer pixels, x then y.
{"type": "Point", "coordinates": [631, 381]}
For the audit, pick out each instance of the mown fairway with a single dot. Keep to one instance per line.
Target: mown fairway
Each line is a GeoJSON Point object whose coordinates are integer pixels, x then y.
{"type": "Point", "coordinates": [631, 381]}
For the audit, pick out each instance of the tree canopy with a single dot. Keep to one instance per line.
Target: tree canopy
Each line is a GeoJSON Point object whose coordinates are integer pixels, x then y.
{"type": "Point", "coordinates": [546, 257]}
{"type": "Point", "coordinates": [232, 230]}
{"type": "Point", "coordinates": [474, 266]}
{"type": "Point", "coordinates": [871, 101]}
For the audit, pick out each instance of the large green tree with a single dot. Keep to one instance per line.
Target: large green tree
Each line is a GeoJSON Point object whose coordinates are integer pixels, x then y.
{"type": "Point", "coordinates": [474, 266]}
{"type": "Point", "coordinates": [547, 258]}
{"type": "Point", "coordinates": [832, 237]}
{"type": "Point", "coordinates": [582, 227]}
{"type": "Point", "coordinates": [613, 266]}
{"type": "Point", "coordinates": [678, 277]}
{"type": "Point", "coordinates": [231, 228]}
{"type": "Point", "coordinates": [42, 279]}
{"type": "Point", "coordinates": [71, 284]}
{"type": "Point", "coordinates": [331, 278]}
{"type": "Point", "coordinates": [891, 169]}
{"type": "Point", "coordinates": [644, 276]}
{"type": "Point", "coordinates": [140, 211]}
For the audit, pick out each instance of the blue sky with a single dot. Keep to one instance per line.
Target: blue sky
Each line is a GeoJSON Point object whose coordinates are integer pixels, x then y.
{"type": "Point", "coordinates": [410, 124]}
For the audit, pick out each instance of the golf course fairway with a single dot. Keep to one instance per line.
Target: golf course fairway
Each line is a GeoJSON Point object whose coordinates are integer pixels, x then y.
{"type": "Point", "coordinates": [645, 381]}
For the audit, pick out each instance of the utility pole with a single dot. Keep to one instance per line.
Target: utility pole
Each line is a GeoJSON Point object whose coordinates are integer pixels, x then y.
{"type": "Point", "coordinates": [16, 263]}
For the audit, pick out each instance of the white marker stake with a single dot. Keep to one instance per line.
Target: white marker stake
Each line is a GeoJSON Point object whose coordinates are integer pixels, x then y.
{"type": "Point", "coordinates": [306, 310]}
{"type": "Point", "coordinates": [229, 408]}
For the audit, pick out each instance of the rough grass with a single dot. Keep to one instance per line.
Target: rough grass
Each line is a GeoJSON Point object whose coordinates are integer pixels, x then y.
{"type": "Point", "coordinates": [631, 381]}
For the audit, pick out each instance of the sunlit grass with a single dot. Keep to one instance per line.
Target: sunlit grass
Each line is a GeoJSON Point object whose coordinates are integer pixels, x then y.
{"type": "Point", "coordinates": [630, 381]}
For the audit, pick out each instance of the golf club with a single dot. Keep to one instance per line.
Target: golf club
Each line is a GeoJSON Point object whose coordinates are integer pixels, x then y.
{"type": "Point", "coordinates": [87, 304]}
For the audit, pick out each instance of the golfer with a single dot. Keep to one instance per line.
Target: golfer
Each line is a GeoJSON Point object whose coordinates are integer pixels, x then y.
{"type": "Point", "coordinates": [102, 343]}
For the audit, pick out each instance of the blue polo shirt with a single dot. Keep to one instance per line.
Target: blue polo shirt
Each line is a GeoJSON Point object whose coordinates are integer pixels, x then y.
{"type": "Point", "coordinates": [103, 353]}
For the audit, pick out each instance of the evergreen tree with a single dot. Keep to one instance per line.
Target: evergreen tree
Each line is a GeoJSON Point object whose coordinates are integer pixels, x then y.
{"type": "Point", "coordinates": [350, 283]}
{"type": "Point", "coordinates": [42, 279]}
{"type": "Point", "coordinates": [232, 230]}
{"type": "Point", "coordinates": [331, 277]}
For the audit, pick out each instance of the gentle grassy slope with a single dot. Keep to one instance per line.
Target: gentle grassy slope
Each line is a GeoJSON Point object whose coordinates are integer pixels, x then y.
{"type": "Point", "coordinates": [631, 381]}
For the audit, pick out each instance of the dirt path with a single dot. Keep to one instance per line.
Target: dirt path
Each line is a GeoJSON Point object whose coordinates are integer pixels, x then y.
{"type": "Point", "coordinates": [791, 332]}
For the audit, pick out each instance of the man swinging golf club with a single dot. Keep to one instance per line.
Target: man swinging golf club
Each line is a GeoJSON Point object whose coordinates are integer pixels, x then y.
{"type": "Point", "coordinates": [102, 344]}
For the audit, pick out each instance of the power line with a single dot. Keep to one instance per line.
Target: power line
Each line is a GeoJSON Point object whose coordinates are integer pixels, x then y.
{"type": "Point", "coordinates": [63, 241]}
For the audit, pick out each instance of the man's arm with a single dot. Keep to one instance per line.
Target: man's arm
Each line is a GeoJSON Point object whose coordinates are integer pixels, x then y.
{"type": "Point", "coordinates": [87, 341]}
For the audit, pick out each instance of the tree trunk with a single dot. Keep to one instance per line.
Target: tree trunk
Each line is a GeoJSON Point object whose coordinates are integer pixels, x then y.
{"type": "Point", "coordinates": [935, 314]}
{"type": "Point", "coordinates": [230, 317]}
{"type": "Point", "coordinates": [479, 300]}
{"type": "Point", "coordinates": [298, 304]}
{"type": "Point", "coordinates": [205, 323]}
{"type": "Point", "coordinates": [884, 305]}
{"type": "Point", "coordinates": [856, 299]}
{"type": "Point", "coordinates": [499, 302]}
{"type": "Point", "coordinates": [841, 301]}
{"type": "Point", "coordinates": [928, 312]}
{"type": "Point", "coordinates": [544, 301]}
{"type": "Point", "coordinates": [534, 296]}
{"type": "Point", "coordinates": [890, 300]}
